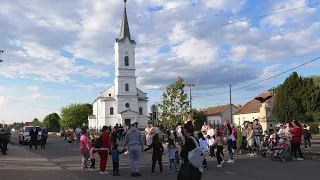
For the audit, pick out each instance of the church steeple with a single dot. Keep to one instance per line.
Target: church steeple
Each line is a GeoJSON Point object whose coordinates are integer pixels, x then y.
{"type": "Point", "coordinates": [124, 31]}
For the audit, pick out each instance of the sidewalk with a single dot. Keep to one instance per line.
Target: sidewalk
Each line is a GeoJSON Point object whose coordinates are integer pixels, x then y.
{"type": "Point", "coordinates": [24, 164]}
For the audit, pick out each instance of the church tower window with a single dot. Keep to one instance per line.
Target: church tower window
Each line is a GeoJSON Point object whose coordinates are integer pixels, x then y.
{"type": "Point", "coordinates": [140, 111]}
{"type": "Point", "coordinates": [111, 111]}
{"type": "Point", "coordinates": [126, 61]}
{"type": "Point", "coordinates": [127, 87]}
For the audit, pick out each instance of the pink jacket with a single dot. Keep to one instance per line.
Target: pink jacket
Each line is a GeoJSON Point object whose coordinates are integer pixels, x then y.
{"type": "Point", "coordinates": [84, 143]}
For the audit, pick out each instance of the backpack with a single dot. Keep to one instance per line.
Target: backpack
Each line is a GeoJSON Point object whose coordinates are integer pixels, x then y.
{"type": "Point", "coordinates": [98, 143]}
{"type": "Point", "coordinates": [196, 156]}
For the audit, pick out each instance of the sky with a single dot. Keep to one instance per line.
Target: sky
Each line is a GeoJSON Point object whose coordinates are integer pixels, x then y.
{"type": "Point", "coordinates": [61, 52]}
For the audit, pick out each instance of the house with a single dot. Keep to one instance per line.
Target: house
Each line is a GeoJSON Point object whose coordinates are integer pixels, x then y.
{"type": "Point", "coordinates": [216, 115]}
{"type": "Point", "coordinates": [124, 102]}
{"type": "Point", "coordinates": [258, 108]}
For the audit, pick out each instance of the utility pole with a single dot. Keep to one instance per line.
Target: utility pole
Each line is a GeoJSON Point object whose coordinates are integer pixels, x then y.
{"type": "Point", "coordinates": [231, 107]}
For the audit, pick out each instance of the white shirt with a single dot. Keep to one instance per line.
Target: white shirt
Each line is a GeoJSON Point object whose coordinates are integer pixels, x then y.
{"type": "Point", "coordinates": [78, 131]}
{"type": "Point", "coordinates": [179, 133]}
{"type": "Point", "coordinates": [210, 132]}
{"type": "Point", "coordinates": [210, 141]}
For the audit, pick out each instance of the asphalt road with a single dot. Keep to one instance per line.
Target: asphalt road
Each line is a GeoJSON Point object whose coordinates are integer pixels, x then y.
{"type": "Point", "coordinates": [246, 168]}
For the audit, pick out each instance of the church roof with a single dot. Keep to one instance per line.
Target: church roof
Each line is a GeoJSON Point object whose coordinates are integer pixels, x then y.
{"type": "Point", "coordinates": [127, 111]}
{"type": "Point", "coordinates": [125, 30]}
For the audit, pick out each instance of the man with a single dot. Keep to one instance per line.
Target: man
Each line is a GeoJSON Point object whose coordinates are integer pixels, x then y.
{"type": "Point", "coordinates": [44, 137]}
{"type": "Point", "coordinates": [4, 140]}
{"type": "Point", "coordinates": [34, 137]}
{"type": "Point", "coordinates": [120, 132]}
{"type": "Point", "coordinates": [78, 133]}
{"type": "Point", "coordinates": [134, 142]}
{"type": "Point", "coordinates": [257, 130]}
{"type": "Point", "coordinates": [281, 130]}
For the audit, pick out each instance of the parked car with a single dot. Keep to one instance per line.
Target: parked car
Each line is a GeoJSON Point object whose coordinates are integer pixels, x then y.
{"type": "Point", "coordinates": [24, 134]}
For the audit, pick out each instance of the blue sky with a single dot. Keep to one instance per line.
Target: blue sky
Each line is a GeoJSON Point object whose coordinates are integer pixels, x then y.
{"type": "Point", "coordinates": [61, 55]}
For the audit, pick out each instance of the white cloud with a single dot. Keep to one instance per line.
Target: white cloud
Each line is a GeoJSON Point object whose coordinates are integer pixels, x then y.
{"type": "Point", "coordinates": [33, 89]}
{"type": "Point", "coordinates": [225, 5]}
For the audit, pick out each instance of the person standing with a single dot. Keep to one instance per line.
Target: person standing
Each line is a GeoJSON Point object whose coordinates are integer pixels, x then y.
{"type": "Point", "coordinates": [244, 135]}
{"type": "Point", "coordinates": [62, 133]}
{"type": "Point", "coordinates": [78, 134]}
{"type": "Point", "coordinates": [114, 135]}
{"type": "Point", "coordinates": [134, 142]}
{"type": "Point", "coordinates": [157, 151]}
{"type": "Point", "coordinates": [34, 137]}
{"type": "Point", "coordinates": [149, 134]}
{"type": "Point", "coordinates": [250, 139]}
{"type": "Point", "coordinates": [104, 150]}
{"type": "Point", "coordinates": [257, 130]}
{"type": "Point", "coordinates": [210, 131]}
{"type": "Point", "coordinates": [296, 132]}
{"type": "Point", "coordinates": [4, 140]}
{"type": "Point", "coordinates": [44, 137]}
{"type": "Point", "coordinates": [204, 127]}
{"type": "Point", "coordinates": [306, 137]}
{"type": "Point", "coordinates": [84, 149]}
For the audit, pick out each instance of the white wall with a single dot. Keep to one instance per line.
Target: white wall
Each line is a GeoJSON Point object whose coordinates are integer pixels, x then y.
{"type": "Point", "coordinates": [216, 119]}
{"type": "Point", "coordinates": [226, 115]}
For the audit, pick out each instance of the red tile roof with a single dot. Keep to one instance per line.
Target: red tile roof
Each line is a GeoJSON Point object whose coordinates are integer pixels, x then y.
{"type": "Point", "coordinates": [217, 109]}
{"type": "Point", "coordinates": [253, 106]}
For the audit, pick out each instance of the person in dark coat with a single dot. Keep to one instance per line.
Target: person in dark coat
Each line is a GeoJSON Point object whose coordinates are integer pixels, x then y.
{"type": "Point", "coordinates": [34, 137]}
{"type": "Point", "coordinates": [44, 137]}
{"type": "Point", "coordinates": [4, 140]}
{"type": "Point", "coordinates": [114, 135]}
{"type": "Point", "coordinates": [156, 153]}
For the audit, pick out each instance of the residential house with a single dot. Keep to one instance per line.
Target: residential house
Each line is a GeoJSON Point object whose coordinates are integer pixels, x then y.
{"type": "Point", "coordinates": [216, 115]}
{"type": "Point", "coordinates": [258, 108]}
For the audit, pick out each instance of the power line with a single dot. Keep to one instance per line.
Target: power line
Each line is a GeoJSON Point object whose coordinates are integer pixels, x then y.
{"type": "Point", "coordinates": [221, 25]}
{"type": "Point", "coordinates": [267, 78]}
{"type": "Point", "coordinates": [29, 103]}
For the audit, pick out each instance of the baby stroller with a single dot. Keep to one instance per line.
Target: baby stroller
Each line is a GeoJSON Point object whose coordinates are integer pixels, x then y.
{"type": "Point", "coordinates": [282, 150]}
{"type": "Point", "coordinates": [269, 145]}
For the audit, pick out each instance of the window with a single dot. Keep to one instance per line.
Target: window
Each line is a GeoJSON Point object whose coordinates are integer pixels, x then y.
{"type": "Point", "coordinates": [127, 87]}
{"type": "Point", "coordinates": [109, 95]}
{"type": "Point", "coordinates": [127, 105]}
{"type": "Point", "coordinates": [111, 111]}
{"type": "Point", "coordinates": [140, 111]}
{"type": "Point", "coordinates": [270, 125]}
{"type": "Point", "coordinates": [126, 61]}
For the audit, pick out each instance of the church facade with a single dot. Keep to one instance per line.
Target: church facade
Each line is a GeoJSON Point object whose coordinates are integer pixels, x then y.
{"type": "Point", "coordinates": [123, 103]}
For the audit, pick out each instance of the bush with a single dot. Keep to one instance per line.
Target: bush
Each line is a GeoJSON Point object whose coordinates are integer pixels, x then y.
{"type": "Point", "coordinates": [239, 138]}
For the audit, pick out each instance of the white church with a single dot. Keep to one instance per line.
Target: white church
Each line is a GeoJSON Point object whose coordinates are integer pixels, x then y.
{"type": "Point", "coordinates": [123, 103]}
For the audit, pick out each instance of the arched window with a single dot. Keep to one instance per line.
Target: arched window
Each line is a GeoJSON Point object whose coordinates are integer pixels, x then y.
{"type": "Point", "coordinates": [127, 87]}
{"type": "Point", "coordinates": [111, 111]}
{"type": "Point", "coordinates": [140, 111]}
{"type": "Point", "coordinates": [126, 61]}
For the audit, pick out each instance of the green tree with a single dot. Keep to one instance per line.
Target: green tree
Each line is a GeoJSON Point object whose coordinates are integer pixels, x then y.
{"type": "Point", "coordinates": [52, 121]}
{"type": "Point", "coordinates": [297, 99]}
{"type": "Point", "coordinates": [75, 115]}
{"type": "Point", "coordinates": [175, 103]}
{"type": "Point", "coordinates": [36, 122]}
{"type": "Point", "coordinates": [153, 114]}
{"type": "Point", "coordinates": [316, 79]}
{"type": "Point", "coordinates": [199, 116]}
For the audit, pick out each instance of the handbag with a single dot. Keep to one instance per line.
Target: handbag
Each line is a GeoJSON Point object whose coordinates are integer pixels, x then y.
{"type": "Point", "coordinates": [184, 172]}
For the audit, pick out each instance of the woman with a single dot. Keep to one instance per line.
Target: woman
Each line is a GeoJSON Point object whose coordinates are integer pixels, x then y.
{"type": "Point", "coordinates": [189, 145]}
{"type": "Point", "coordinates": [296, 133]}
{"type": "Point", "coordinates": [104, 150]}
{"type": "Point", "coordinates": [250, 139]}
{"type": "Point", "coordinates": [210, 131]}
{"type": "Point", "coordinates": [231, 140]}
{"type": "Point", "coordinates": [114, 135]}
{"type": "Point", "coordinates": [84, 149]}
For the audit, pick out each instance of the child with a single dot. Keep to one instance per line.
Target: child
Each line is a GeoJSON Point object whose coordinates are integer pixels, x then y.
{"type": "Point", "coordinates": [219, 141]}
{"type": "Point", "coordinates": [210, 141]}
{"type": "Point", "coordinates": [92, 157]}
{"type": "Point", "coordinates": [71, 139]}
{"type": "Point", "coordinates": [204, 144]}
{"type": "Point", "coordinates": [171, 150]}
{"type": "Point", "coordinates": [157, 153]}
{"type": "Point", "coordinates": [115, 159]}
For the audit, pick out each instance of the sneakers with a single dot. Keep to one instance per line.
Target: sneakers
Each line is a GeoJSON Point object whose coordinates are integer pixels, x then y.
{"type": "Point", "coordinates": [252, 154]}
{"type": "Point", "coordinates": [219, 165]}
{"type": "Point", "coordinates": [222, 161]}
{"type": "Point", "coordinates": [135, 174]}
{"type": "Point", "coordinates": [104, 173]}
{"type": "Point", "coordinates": [300, 159]}
{"type": "Point", "coordinates": [177, 170]}
{"type": "Point", "coordinates": [92, 170]}
{"type": "Point", "coordinates": [170, 171]}
{"type": "Point", "coordinates": [230, 161]}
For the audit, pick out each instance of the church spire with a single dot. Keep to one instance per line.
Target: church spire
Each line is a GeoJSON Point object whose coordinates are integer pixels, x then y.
{"type": "Point", "coordinates": [125, 31]}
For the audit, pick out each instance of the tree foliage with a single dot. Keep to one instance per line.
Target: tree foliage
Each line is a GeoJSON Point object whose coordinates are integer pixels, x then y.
{"type": "Point", "coordinates": [175, 103]}
{"type": "Point", "coordinates": [52, 121]}
{"type": "Point", "coordinates": [316, 80]}
{"type": "Point", "coordinates": [297, 98]}
{"type": "Point", "coordinates": [36, 122]}
{"type": "Point", "coordinates": [199, 116]}
{"type": "Point", "coordinates": [75, 115]}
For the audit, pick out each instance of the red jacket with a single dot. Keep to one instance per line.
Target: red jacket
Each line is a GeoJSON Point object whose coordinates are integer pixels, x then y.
{"type": "Point", "coordinates": [105, 140]}
{"type": "Point", "coordinates": [296, 135]}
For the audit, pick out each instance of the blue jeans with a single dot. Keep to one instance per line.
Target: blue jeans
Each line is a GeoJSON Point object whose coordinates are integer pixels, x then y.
{"type": "Point", "coordinates": [134, 155]}
{"type": "Point", "coordinates": [177, 159]}
{"type": "Point", "coordinates": [172, 162]}
{"type": "Point", "coordinates": [257, 142]}
{"type": "Point", "coordinates": [229, 143]}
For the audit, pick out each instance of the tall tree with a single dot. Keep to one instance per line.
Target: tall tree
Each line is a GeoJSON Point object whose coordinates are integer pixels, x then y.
{"type": "Point", "coordinates": [75, 115]}
{"type": "Point", "coordinates": [297, 99]}
{"type": "Point", "coordinates": [316, 79]}
{"type": "Point", "coordinates": [52, 121]}
{"type": "Point", "coordinates": [175, 103]}
{"type": "Point", "coordinates": [36, 122]}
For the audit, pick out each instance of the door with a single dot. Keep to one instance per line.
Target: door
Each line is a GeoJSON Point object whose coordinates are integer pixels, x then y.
{"type": "Point", "coordinates": [127, 122]}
